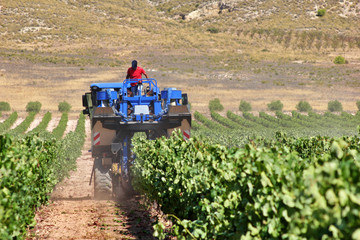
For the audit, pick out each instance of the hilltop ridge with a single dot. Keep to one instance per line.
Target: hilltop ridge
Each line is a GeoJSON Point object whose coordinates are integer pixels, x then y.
{"type": "Point", "coordinates": [261, 11]}
{"type": "Point", "coordinates": [228, 45]}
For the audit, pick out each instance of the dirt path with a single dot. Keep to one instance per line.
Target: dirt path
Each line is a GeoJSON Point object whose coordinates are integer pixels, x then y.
{"type": "Point", "coordinates": [71, 125]}
{"type": "Point", "coordinates": [73, 214]}
{"type": "Point", "coordinates": [17, 122]}
{"type": "Point", "coordinates": [53, 123]}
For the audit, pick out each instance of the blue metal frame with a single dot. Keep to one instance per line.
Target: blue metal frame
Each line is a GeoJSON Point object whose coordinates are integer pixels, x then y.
{"type": "Point", "coordinates": [115, 95]}
{"type": "Point", "coordinates": [141, 99]}
{"type": "Point", "coordinates": [159, 102]}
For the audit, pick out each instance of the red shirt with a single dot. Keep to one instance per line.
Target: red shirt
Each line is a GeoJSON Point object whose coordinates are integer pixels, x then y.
{"type": "Point", "coordinates": [135, 74]}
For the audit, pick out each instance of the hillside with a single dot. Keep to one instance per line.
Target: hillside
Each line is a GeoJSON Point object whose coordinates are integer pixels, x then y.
{"type": "Point", "coordinates": [265, 12]}
{"type": "Point", "coordinates": [254, 44]}
{"type": "Point", "coordinates": [172, 25]}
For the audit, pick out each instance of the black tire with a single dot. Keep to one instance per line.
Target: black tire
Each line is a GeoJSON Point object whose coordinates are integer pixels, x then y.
{"type": "Point", "coordinates": [102, 181]}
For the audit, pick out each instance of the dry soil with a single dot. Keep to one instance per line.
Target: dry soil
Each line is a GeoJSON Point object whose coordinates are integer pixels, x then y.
{"type": "Point", "coordinates": [73, 213]}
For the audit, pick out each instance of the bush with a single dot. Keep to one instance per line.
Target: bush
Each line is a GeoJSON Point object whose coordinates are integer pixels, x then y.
{"type": "Point", "coordinates": [321, 12]}
{"type": "Point", "coordinates": [358, 104]}
{"type": "Point", "coordinates": [275, 106]}
{"type": "Point", "coordinates": [357, 114]}
{"type": "Point", "coordinates": [339, 60]}
{"type": "Point", "coordinates": [64, 107]}
{"type": "Point", "coordinates": [215, 105]}
{"type": "Point", "coordinates": [213, 30]}
{"type": "Point", "coordinates": [303, 106]}
{"type": "Point", "coordinates": [244, 106]}
{"type": "Point", "coordinates": [335, 106]}
{"type": "Point", "coordinates": [33, 107]}
{"type": "Point", "coordinates": [4, 106]}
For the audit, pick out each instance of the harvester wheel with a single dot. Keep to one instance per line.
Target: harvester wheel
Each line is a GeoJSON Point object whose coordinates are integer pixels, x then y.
{"type": "Point", "coordinates": [102, 181]}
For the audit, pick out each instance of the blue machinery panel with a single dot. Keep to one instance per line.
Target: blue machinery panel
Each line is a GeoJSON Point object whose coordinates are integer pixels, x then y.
{"type": "Point", "coordinates": [120, 96]}
{"type": "Point", "coordinates": [146, 104]}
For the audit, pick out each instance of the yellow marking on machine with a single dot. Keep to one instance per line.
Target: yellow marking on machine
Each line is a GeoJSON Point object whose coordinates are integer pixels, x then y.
{"type": "Point", "coordinates": [116, 169]}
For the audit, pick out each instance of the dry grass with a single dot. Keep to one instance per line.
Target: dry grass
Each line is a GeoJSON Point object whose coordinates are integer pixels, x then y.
{"type": "Point", "coordinates": [53, 50]}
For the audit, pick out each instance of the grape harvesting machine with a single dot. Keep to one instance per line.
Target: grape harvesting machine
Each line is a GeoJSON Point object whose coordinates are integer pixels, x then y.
{"type": "Point", "coordinates": [117, 111]}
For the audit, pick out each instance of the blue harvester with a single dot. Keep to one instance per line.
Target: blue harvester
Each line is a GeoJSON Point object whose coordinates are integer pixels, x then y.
{"type": "Point", "coordinates": [116, 113]}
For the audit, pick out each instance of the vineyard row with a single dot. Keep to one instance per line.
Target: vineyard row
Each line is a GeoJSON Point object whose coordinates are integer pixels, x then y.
{"type": "Point", "coordinates": [234, 129]}
{"type": "Point", "coordinates": [280, 188]}
{"type": "Point", "coordinates": [30, 166]}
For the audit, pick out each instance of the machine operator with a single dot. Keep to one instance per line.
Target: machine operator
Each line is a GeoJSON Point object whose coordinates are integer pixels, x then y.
{"type": "Point", "coordinates": [135, 72]}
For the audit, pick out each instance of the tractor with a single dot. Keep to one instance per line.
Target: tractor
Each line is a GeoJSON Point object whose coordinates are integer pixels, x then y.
{"type": "Point", "coordinates": [116, 114]}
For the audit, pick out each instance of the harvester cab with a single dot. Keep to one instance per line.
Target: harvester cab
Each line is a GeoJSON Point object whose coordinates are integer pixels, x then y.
{"type": "Point", "coordinates": [117, 111]}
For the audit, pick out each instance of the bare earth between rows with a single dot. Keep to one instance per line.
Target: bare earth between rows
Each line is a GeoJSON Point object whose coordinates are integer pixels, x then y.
{"type": "Point", "coordinates": [73, 213]}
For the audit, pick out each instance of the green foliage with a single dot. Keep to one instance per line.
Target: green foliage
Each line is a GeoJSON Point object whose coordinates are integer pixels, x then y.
{"type": "Point", "coordinates": [339, 60]}
{"type": "Point", "coordinates": [244, 106]}
{"type": "Point", "coordinates": [303, 106]}
{"type": "Point", "coordinates": [69, 149]}
{"type": "Point", "coordinates": [221, 131]}
{"type": "Point", "coordinates": [225, 121]}
{"type": "Point", "coordinates": [29, 169]}
{"type": "Point", "coordinates": [42, 125]}
{"type": "Point", "coordinates": [335, 106]}
{"type": "Point", "coordinates": [242, 121]}
{"type": "Point", "coordinates": [275, 106]}
{"type": "Point", "coordinates": [264, 190]}
{"type": "Point", "coordinates": [26, 179]}
{"type": "Point", "coordinates": [64, 107]}
{"type": "Point", "coordinates": [215, 105]}
{"type": "Point", "coordinates": [197, 126]}
{"type": "Point", "coordinates": [213, 30]}
{"type": "Point", "coordinates": [8, 122]}
{"type": "Point", "coordinates": [33, 107]}
{"type": "Point", "coordinates": [321, 12]}
{"type": "Point", "coordinates": [4, 106]}
{"type": "Point", "coordinates": [207, 122]}
{"type": "Point", "coordinates": [58, 132]}
{"type": "Point", "coordinates": [358, 104]}
{"type": "Point", "coordinates": [24, 125]}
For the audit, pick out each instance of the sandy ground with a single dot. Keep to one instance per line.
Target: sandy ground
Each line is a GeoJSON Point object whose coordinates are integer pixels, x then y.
{"type": "Point", "coordinates": [17, 122]}
{"type": "Point", "coordinates": [53, 123]}
{"type": "Point", "coordinates": [73, 213]}
{"type": "Point", "coordinates": [70, 126]}
{"type": "Point", "coordinates": [51, 84]}
{"type": "Point", "coordinates": [36, 122]}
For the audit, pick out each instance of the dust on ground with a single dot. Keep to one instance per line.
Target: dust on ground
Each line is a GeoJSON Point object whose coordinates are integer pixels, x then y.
{"type": "Point", "coordinates": [18, 121]}
{"type": "Point", "coordinates": [35, 122]}
{"type": "Point", "coordinates": [73, 213]}
{"type": "Point", "coordinates": [53, 123]}
{"type": "Point", "coordinates": [71, 125]}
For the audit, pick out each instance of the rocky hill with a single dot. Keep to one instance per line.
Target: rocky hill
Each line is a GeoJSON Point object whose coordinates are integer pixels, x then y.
{"type": "Point", "coordinates": [259, 11]}
{"type": "Point", "coordinates": [222, 46]}
{"type": "Point", "coordinates": [75, 31]}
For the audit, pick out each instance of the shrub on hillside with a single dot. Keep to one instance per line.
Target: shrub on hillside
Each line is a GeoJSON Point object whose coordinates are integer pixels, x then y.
{"type": "Point", "coordinates": [4, 106]}
{"type": "Point", "coordinates": [33, 107]}
{"type": "Point", "coordinates": [303, 106]}
{"type": "Point", "coordinates": [339, 60]}
{"type": "Point", "coordinates": [321, 12]}
{"type": "Point", "coordinates": [215, 105]}
{"type": "Point", "coordinates": [358, 104]}
{"type": "Point", "coordinates": [335, 106]}
{"type": "Point", "coordinates": [275, 106]}
{"type": "Point", "coordinates": [64, 107]}
{"type": "Point", "coordinates": [244, 106]}
{"type": "Point", "coordinates": [213, 30]}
